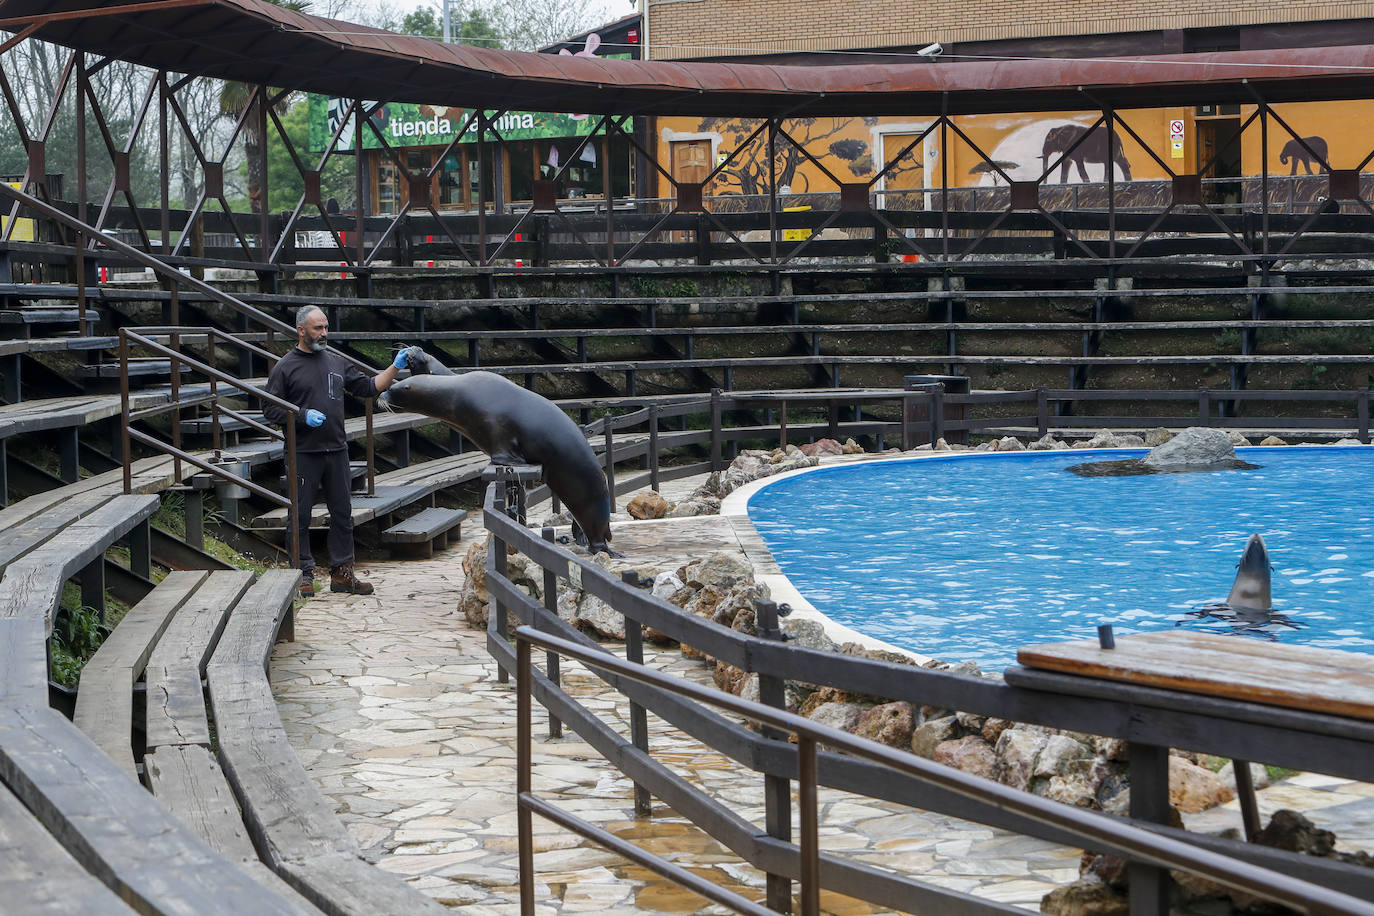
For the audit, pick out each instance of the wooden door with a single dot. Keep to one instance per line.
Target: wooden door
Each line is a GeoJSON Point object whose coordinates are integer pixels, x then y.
{"type": "Point", "coordinates": [691, 160]}
{"type": "Point", "coordinates": [904, 185]}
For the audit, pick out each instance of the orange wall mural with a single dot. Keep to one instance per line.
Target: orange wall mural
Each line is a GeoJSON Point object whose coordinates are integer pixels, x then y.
{"type": "Point", "coordinates": [989, 150]}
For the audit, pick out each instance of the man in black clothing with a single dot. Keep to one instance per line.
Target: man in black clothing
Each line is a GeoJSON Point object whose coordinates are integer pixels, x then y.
{"type": "Point", "coordinates": [315, 379]}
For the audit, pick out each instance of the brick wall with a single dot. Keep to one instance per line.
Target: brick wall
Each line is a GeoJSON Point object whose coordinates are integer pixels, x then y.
{"type": "Point", "coordinates": [702, 28]}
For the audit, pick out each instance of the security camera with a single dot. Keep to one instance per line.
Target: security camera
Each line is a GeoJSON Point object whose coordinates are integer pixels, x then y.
{"type": "Point", "coordinates": [932, 50]}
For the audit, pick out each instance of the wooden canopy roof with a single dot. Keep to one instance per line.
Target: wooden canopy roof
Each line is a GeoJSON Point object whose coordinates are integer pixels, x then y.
{"type": "Point", "coordinates": [255, 42]}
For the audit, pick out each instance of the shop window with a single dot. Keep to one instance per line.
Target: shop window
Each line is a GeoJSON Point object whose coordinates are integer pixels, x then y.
{"type": "Point", "coordinates": [584, 174]}
{"type": "Point", "coordinates": [521, 165]}
{"type": "Point", "coordinates": [475, 182]}
{"type": "Point", "coordinates": [418, 160]}
{"type": "Point", "coordinates": [388, 188]}
{"type": "Point", "coordinates": [622, 167]}
{"type": "Point", "coordinates": [451, 181]}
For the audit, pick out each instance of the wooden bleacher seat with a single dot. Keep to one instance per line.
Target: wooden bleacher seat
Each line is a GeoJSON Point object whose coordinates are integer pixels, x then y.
{"type": "Point", "coordinates": [425, 530]}
{"type": "Point", "coordinates": [179, 766]}
{"type": "Point", "coordinates": [365, 508]}
{"type": "Point", "coordinates": [25, 322]}
{"type": "Point", "coordinates": [175, 712]}
{"type": "Point", "coordinates": [104, 700]}
{"type": "Point", "coordinates": [292, 824]}
{"type": "Point", "coordinates": [114, 828]}
{"type": "Point", "coordinates": [395, 489]}
{"type": "Point", "coordinates": [40, 878]}
{"type": "Point", "coordinates": [32, 587]}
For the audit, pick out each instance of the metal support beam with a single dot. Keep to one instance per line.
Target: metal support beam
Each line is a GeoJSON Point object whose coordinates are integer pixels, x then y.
{"type": "Point", "coordinates": [68, 446]}
{"type": "Point", "coordinates": [1150, 802]}
{"type": "Point", "coordinates": [141, 549]}
{"type": "Point", "coordinates": [92, 582]}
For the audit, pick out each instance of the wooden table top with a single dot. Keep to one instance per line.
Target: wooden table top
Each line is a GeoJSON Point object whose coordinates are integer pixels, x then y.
{"type": "Point", "coordinates": [1240, 668]}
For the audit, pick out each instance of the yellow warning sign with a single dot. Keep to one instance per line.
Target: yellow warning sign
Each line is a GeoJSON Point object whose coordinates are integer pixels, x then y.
{"type": "Point", "coordinates": [23, 228]}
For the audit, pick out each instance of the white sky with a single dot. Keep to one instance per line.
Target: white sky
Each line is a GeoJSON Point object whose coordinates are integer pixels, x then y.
{"type": "Point", "coordinates": [609, 10]}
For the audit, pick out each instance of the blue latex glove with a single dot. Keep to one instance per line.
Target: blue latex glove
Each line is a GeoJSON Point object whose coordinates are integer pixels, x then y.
{"type": "Point", "coordinates": [401, 359]}
{"type": "Point", "coordinates": [314, 418]}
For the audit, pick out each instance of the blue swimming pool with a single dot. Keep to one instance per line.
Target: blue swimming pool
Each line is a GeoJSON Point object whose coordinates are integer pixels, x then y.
{"type": "Point", "coordinates": [970, 556]}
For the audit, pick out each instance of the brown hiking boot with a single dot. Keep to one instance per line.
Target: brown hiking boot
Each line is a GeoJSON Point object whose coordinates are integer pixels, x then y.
{"type": "Point", "coordinates": [308, 584]}
{"type": "Point", "coordinates": [342, 579]}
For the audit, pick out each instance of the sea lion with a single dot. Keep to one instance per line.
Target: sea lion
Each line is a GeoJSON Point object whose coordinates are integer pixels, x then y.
{"type": "Point", "coordinates": [1251, 590]}
{"type": "Point", "coordinates": [515, 426]}
{"type": "Point", "coordinates": [1249, 608]}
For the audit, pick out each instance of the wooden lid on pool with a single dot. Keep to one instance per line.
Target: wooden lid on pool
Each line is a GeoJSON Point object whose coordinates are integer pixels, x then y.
{"type": "Point", "coordinates": [1239, 668]}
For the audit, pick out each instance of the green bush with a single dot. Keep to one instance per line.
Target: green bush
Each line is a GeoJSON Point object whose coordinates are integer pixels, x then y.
{"type": "Point", "coordinates": [76, 634]}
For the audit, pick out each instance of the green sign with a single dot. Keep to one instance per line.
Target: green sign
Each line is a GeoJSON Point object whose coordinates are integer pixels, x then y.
{"type": "Point", "coordinates": [406, 124]}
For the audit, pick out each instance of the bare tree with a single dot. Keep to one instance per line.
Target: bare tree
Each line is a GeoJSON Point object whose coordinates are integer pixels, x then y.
{"type": "Point", "coordinates": [519, 25]}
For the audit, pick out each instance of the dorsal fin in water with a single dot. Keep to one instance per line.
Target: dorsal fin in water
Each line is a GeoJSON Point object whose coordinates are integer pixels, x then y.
{"type": "Point", "coordinates": [1251, 588]}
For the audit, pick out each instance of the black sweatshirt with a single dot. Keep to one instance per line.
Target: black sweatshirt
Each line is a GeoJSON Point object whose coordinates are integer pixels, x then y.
{"type": "Point", "coordinates": [316, 381]}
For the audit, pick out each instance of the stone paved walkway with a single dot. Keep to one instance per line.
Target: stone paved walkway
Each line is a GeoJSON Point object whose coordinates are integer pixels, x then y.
{"type": "Point", "coordinates": [394, 708]}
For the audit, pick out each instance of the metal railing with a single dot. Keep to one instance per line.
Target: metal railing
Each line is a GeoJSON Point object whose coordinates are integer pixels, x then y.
{"type": "Point", "coordinates": [176, 279]}
{"type": "Point", "coordinates": [1150, 723]}
{"type": "Point", "coordinates": [927, 415]}
{"type": "Point", "coordinates": [1149, 720]}
{"type": "Point", "coordinates": [216, 465]}
{"type": "Point", "coordinates": [1094, 829]}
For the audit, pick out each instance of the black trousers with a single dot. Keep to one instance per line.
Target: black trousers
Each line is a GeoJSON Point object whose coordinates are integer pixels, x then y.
{"type": "Point", "coordinates": [328, 471]}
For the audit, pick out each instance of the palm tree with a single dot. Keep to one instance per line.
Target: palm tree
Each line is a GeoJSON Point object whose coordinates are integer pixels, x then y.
{"type": "Point", "coordinates": [234, 98]}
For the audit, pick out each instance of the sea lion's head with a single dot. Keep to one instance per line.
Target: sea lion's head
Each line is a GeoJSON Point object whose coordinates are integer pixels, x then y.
{"type": "Point", "coordinates": [421, 363]}
{"type": "Point", "coordinates": [436, 396]}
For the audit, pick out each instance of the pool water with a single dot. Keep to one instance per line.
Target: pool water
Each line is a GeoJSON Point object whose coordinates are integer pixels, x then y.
{"type": "Point", "coordinates": [968, 557]}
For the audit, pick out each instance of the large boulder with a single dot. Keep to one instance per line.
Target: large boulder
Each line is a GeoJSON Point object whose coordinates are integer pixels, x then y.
{"type": "Point", "coordinates": [722, 569]}
{"type": "Point", "coordinates": [598, 617]}
{"type": "Point", "coordinates": [473, 599]}
{"type": "Point", "coordinates": [1017, 750]}
{"type": "Point", "coordinates": [1196, 446]}
{"type": "Point", "coordinates": [1047, 443]}
{"type": "Point", "coordinates": [667, 584]}
{"type": "Point", "coordinates": [822, 448]}
{"type": "Point", "coordinates": [696, 504]}
{"type": "Point", "coordinates": [1291, 830]}
{"type": "Point", "coordinates": [927, 737]}
{"type": "Point", "coordinates": [1194, 788]}
{"type": "Point", "coordinates": [647, 504]}
{"type": "Point", "coordinates": [1085, 897]}
{"type": "Point", "coordinates": [971, 754]}
{"type": "Point", "coordinates": [1104, 438]}
{"type": "Point", "coordinates": [808, 634]}
{"type": "Point", "coordinates": [752, 464]}
{"type": "Point", "coordinates": [844, 716]}
{"type": "Point", "coordinates": [888, 723]}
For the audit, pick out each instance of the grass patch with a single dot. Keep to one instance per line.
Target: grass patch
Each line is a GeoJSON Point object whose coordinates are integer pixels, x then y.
{"type": "Point", "coordinates": [77, 630]}
{"type": "Point", "coordinates": [1216, 763]}
{"type": "Point", "coordinates": [379, 354]}
{"type": "Point", "coordinates": [171, 518]}
{"type": "Point", "coordinates": [76, 634]}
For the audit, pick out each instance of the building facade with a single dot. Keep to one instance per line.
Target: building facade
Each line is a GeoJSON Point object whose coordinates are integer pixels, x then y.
{"type": "Point", "coordinates": [910, 166]}
{"type": "Point", "coordinates": [451, 159]}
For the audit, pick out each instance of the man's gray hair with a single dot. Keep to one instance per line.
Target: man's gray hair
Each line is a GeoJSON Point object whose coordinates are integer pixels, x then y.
{"type": "Point", "coordinates": [303, 313]}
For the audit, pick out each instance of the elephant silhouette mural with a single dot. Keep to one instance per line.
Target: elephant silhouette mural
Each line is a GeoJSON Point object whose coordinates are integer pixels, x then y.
{"type": "Point", "coordinates": [1093, 149]}
{"type": "Point", "coordinates": [1313, 153]}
